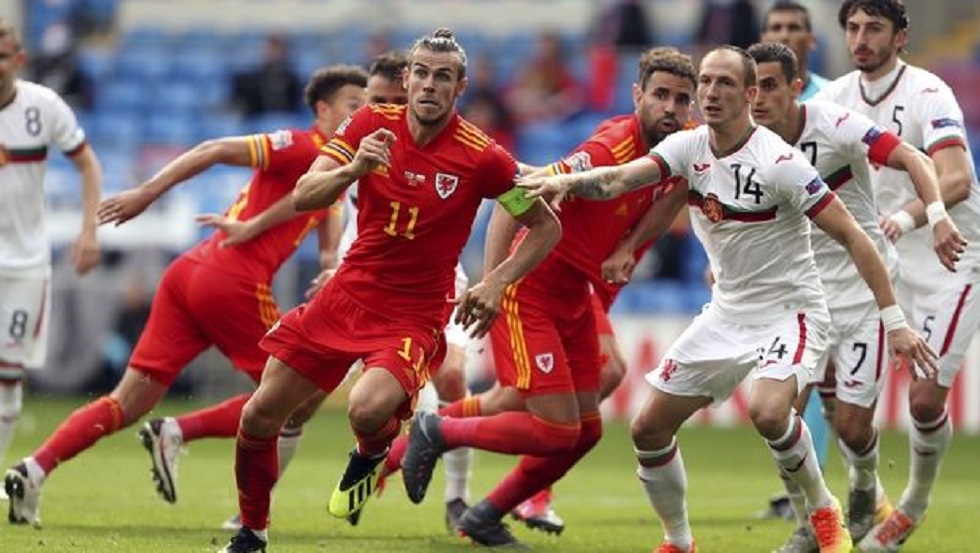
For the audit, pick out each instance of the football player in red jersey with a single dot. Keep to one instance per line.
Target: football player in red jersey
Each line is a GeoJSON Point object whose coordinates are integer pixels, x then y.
{"type": "Point", "coordinates": [211, 295]}
{"type": "Point", "coordinates": [422, 172]}
{"type": "Point", "coordinates": [546, 347]}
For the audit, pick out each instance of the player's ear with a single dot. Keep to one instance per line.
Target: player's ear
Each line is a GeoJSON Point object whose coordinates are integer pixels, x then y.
{"type": "Point", "coordinates": [461, 86]}
{"type": "Point", "coordinates": [637, 95]}
{"type": "Point", "coordinates": [751, 93]}
{"type": "Point", "coordinates": [796, 86]}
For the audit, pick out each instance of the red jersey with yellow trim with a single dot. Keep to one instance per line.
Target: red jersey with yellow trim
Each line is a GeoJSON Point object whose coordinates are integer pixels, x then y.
{"type": "Point", "coordinates": [415, 216]}
{"type": "Point", "coordinates": [280, 159]}
{"type": "Point", "coordinates": [591, 230]}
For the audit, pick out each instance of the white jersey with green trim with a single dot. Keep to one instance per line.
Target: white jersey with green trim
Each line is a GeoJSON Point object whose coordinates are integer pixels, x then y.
{"type": "Point", "coordinates": [749, 209]}
{"type": "Point", "coordinates": [36, 119]}
{"type": "Point", "coordinates": [836, 141]}
{"type": "Point", "coordinates": [921, 109]}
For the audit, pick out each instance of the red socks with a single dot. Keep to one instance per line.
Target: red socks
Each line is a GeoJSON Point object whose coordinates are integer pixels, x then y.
{"type": "Point", "coordinates": [511, 432]}
{"type": "Point", "coordinates": [217, 421]}
{"type": "Point", "coordinates": [256, 471]}
{"type": "Point", "coordinates": [85, 426]}
{"type": "Point", "coordinates": [375, 443]}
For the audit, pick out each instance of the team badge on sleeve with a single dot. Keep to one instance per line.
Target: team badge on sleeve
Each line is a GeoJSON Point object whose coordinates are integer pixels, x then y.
{"type": "Point", "coordinates": [872, 135]}
{"type": "Point", "coordinates": [446, 184]}
{"type": "Point", "coordinates": [579, 162]}
{"type": "Point", "coordinates": [343, 126]}
{"type": "Point", "coordinates": [712, 209]}
{"type": "Point", "coordinates": [280, 140]}
{"type": "Point", "coordinates": [814, 186]}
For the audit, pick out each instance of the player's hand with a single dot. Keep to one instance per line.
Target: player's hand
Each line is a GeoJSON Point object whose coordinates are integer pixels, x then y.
{"type": "Point", "coordinates": [374, 151]}
{"type": "Point", "coordinates": [551, 188]}
{"type": "Point", "coordinates": [891, 230]}
{"type": "Point", "coordinates": [124, 206]}
{"type": "Point", "coordinates": [85, 252]}
{"type": "Point", "coordinates": [317, 283]}
{"type": "Point", "coordinates": [908, 348]}
{"type": "Point", "coordinates": [477, 308]}
{"type": "Point", "coordinates": [618, 267]}
{"type": "Point", "coordinates": [237, 232]}
{"type": "Point", "coordinates": [948, 243]}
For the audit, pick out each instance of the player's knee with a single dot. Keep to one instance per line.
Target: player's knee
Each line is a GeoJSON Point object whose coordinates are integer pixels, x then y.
{"type": "Point", "coordinates": [590, 434]}
{"type": "Point", "coordinates": [648, 435]}
{"type": "Point", "coordinates": [769, 419]}
{"type": "Point", "coordinates": [557, 438]}
{"type": "Point", "coordinates": [854, 433]}
{"type": "Point", "coordinates": [924, 409]}
{"type": "Point", "coordinates": [367, 413]}
{"type": "Point", "coordinates": [259, 419]}
{"type": "Point", "coordinates": [450, 383]}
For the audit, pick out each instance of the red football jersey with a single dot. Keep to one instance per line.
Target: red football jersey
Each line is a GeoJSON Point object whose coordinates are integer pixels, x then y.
{"type": "Point", "coordinates": [415, 216]}
{"type": "Point", "coordinates": [591, 230]}
{"type": "Point", "coordinates": [280, 159]}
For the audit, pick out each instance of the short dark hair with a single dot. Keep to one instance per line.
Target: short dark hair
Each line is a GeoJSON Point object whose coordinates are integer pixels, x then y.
{"type": "Point", "coordinates": [667, 59]}
{"type": "Point", "coordinates": [7, 29]}
{"type": "Point", "coordinates": [767, 52]}
{"type": "Point", "coordinates": [441, 40]}
{"type": "Point", "coordinates": [789, 6]}
{"type": "Point", "coordinates": [390, 65]}
{"type": "Point", "coordinates": [748, 64]}
{"type": "Point", "coordinates": [324, 83]}
{"type": "Point", "coordinates": [892, 10]}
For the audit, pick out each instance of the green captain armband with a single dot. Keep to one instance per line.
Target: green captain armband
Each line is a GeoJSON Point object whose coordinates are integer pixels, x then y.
{"type": "Point", "coordinates": [515, 201]}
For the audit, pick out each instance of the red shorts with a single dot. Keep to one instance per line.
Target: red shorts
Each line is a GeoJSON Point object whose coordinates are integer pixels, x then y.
{"type": "Point", "coordinates": [197, 306]}
{"type": "Point", "coordinates": [602, 325]}
{"type": "Point", "coordinates": [323, 338]}
{"type": "Point", "coordinates": [544, 341]}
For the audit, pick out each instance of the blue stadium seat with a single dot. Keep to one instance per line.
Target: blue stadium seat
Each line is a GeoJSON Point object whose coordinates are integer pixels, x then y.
{"type": "Point", "coordinates": [167, 128]}
{"type": "Point", "coordinates": [217, 125]}
{"type": "Point", "coordinates": [541, 143]}
{"type": "Point", "coordinates": [122, 95]}
{"type": "Point", "coordinates": [111, 128]}
{"type": "Point", "coordinates": [150, 62]}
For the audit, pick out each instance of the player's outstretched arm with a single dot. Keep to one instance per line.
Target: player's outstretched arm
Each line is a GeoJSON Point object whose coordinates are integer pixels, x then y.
{"type": "Point", "coordinates": [232, 150]}
{"type": "Point", "coordinates": [501, 231]}
{"type": "Point", "coordinates": [948, 243]}
{"type": "Point", "coordinates": [840, 225]}
{"type": "Point", "coordinates": [85, 252]}
{"type": "Point", "coordinates": [601, 183]}
{"type": "Point", "coordinates": [480, 304]}
{"type": "Point", "coordinates": [618, 267]}
{"type": "Point", "coordinates": [322, 185]}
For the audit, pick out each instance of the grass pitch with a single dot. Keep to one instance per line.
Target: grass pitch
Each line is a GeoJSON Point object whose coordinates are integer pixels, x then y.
{"type": "Point", "coordinates": [104, 500]}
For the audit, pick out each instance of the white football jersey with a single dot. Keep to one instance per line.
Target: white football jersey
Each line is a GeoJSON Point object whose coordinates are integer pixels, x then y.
{"type": "Point", "coordinates": [749, 209]}
{"type": "Point", "coordinates": [35, 120]}
{"type": "Point", "coordinates": [350, 234]}
{"type": "Point", "coordinates": [836, 141]}
{"type": "Point", "coordinates": [921, 109]}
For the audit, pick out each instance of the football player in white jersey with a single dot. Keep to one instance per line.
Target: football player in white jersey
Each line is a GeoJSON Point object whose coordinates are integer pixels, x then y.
{"type": "Point", "coordinates": [33, 119]}
{"type": "Point", "coordinates": [750, 197]}
{"type": "Point", "coordinates": [839, 143]}
{"type": "Point", "coordinates": [921, 109]}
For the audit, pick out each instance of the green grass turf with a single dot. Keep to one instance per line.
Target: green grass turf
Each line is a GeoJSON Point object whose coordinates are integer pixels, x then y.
{"type": "Point", "coordinates": [104, 500]}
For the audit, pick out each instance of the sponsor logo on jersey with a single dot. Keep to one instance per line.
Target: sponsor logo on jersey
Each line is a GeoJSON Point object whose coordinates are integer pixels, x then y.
{"type": "Point", "coordinates": [414, 179]}
{"type": "Point", "coordinates": [814, 186]}
{"type": "Point", "coordinates": [446, 184]}
{"type": "Point", "coordinates": [784, 157]}
{"type": "Point", "coordinates": [545, 362]}
{"type": "Point", "coordinates": [841, 119]}
{"type": "Point", "coordinates": [579, 162]}
{"type": "Point", "coordinates": [946, 122]}
{"type": "Point", "coordinates": [667, 369]}
{"type": "Point", "coordinates": [930, 90]}
{"type": "Point", "coordinates": [701, 167]}
{"type": "Point", "coordinates": [712, 208]}
{"type": "Point", "coordinates": [872, 135]}
{"type": "Point", "coordinates": [280, 140]}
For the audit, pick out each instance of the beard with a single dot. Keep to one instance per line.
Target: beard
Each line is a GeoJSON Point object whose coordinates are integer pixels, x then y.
{"type": "Point", "coordinates": [874, 62]}
{"type": "Point", "coordinates": [655, 134]}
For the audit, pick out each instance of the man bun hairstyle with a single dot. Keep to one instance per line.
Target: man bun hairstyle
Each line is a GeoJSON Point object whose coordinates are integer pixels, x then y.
{"type": "Point", "coordinates": [442, 40]}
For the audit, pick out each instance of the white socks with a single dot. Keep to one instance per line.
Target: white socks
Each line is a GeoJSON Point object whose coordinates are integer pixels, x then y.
{"type": "Point", "coordinates": [862, 466]}
{"type": "Point", "coordinates": [662, 474]}
{"type": "Point", "coordinates": [797, 459]}
{"type": "Point", "coordinates": [288, 444]}
{"type": "Point", "coordinates": [11, 401]}
{"type": "Point", "coordinates": [927, 446]}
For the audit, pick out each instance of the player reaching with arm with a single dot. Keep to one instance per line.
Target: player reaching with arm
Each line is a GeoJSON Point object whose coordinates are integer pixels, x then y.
{"type": "Point", "coordinates": [839, 143]}
{"type": "Point", "coordinates": [387, 303]}
{"type": "Point", "coordinates": [751, 196]}
{"type": "Point", "coordinates": [33, 119]}
{"type": "Point", "coordinates": [920, 108]}
{"type": "Point", "coordinates": [210, 295]}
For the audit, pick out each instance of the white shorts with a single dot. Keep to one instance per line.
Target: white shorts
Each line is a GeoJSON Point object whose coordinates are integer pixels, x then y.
{"type": "Point", "coordinates": [947, 318]}
{"type": "Point", "coordinates": [714, 355]}
{"type": "Point", "coordinates": [25, 309]}
{"type": "Point", "coordinates": [857, 346]}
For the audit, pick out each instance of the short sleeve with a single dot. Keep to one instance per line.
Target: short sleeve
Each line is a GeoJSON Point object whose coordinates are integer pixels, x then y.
{"type": "Point", "coordinates": [345, 141]}
{"type": "Point", "coordinates": [940, 118]}
{"type": "Point", "coordinates": [799, 185]}
{"type": "Point", "coordinates": [279, 150]}
{"type": "Point", "coordinates": [65, 132]}
{"type": "Point", "coordinates": [673, 154]}
{"type": "Point", "coordinates": [863, 136]}
{"type": "Point", "coordinates": [587, 156]}
{"type": "Point", "coordinates": [497, 171]}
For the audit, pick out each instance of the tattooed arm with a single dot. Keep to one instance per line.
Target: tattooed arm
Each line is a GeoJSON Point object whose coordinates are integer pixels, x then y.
{"type": "Point", "coordinates": [601, 183]}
